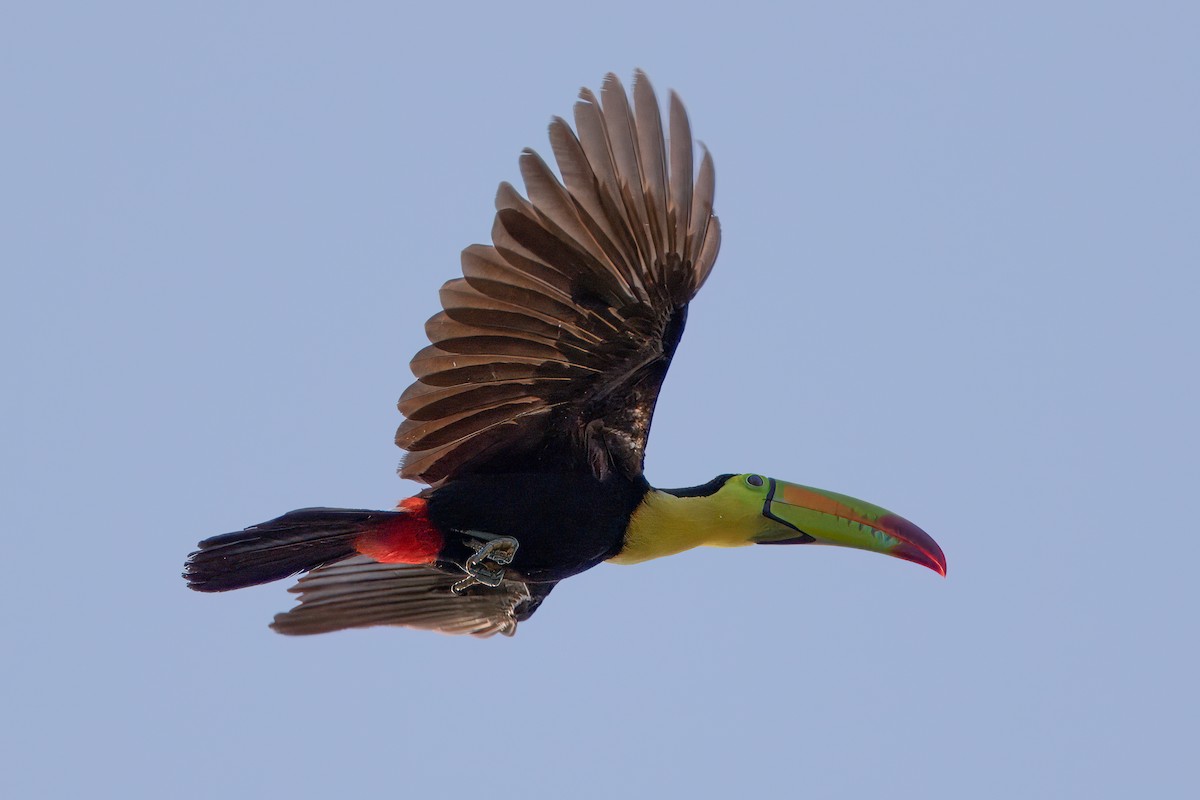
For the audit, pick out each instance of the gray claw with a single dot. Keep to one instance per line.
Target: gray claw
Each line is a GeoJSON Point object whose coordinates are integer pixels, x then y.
{"type": "Point", "coordinates": [466, 583]}
{"type": "Point", "coordinates": [496, 552]}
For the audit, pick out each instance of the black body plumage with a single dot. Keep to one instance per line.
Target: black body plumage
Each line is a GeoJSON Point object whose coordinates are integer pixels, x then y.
{"type": "Point", "coordinates": [565, 522]}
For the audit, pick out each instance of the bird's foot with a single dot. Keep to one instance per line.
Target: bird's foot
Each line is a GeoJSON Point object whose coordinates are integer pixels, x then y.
{"type": "Point", "coordinates": [486, 566]}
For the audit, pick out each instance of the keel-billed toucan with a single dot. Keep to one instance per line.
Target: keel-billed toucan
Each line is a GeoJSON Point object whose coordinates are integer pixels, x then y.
{"type": "Point", "coordinates": [529, 416]}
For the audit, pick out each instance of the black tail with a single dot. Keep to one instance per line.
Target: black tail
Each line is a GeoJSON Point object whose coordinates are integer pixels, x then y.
{"type": "Point", "coordinates": [296, 542]}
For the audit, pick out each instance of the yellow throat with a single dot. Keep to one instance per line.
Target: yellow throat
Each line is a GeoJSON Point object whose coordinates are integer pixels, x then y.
{"type": "Point", "coordinates": [665, 524]}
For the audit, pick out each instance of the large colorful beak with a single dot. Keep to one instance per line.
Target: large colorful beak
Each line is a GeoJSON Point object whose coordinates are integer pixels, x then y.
{"type": "Point", "coordinates": [804, 515]}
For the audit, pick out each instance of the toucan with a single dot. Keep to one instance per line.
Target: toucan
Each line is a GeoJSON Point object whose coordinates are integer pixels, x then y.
{"type": "Point", "coordinates": [529, 415]}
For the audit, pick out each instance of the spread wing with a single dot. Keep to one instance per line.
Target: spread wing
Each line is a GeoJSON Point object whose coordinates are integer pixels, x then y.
{"type": "Point", "coordinates": [551, 349]}
{"type": "Point", "coordinates": [360, 592]}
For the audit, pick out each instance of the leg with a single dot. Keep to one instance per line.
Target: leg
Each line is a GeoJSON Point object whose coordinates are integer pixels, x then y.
{"type": "Point", "coordinates": [486, 566]}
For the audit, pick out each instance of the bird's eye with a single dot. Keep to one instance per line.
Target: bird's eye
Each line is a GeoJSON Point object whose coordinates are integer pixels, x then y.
{"type": "Point", "coordinates": [754, 480]}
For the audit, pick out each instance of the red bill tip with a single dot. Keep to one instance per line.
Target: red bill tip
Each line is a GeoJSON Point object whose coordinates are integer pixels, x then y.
{"type": "Point", "coordinates": [915, 545]}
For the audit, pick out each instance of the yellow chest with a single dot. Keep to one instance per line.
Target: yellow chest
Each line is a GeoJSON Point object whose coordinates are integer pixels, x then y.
{"type": "Point", "coordinates": [665, 524]}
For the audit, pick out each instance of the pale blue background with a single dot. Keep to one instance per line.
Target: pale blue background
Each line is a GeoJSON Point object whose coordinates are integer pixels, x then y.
{"type": "Point", "coordinates": [959, 279]}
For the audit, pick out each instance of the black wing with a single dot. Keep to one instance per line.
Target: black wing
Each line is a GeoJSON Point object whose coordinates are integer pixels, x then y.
{"type": "Point", "coordinates": [553, 346]}
{"type": "Point", "coordinates": [360, 592]}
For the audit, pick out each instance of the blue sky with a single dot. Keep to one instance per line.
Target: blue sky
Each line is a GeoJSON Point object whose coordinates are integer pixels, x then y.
{"type": "Point", "coordinates": [958, 279]}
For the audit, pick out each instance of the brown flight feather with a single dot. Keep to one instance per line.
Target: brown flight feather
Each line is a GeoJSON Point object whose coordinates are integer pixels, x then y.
{"type": "Point", "coordinates": [359, 592]}
{"type": "Point", "coordinates": [554, 344]}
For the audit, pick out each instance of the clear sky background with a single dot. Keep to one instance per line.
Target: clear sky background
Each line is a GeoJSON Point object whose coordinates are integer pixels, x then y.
{"type": "Point", "coordinates": [958, 279]}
